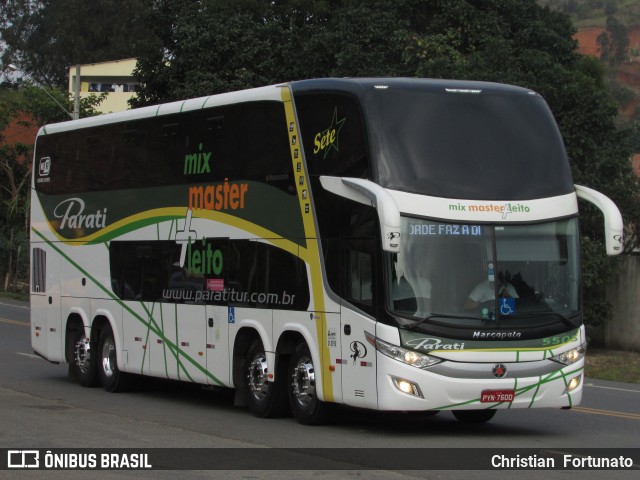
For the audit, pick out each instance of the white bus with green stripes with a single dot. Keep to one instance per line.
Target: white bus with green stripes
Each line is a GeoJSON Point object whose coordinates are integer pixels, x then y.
{"type": "Point", "coordinates": [390, 244]}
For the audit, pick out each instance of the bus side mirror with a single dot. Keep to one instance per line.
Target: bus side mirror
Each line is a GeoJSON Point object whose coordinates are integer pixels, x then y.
{"type": "Point", "coordinates": [369, 193]}
{"type": "Point", "coordinates": [613, 224]}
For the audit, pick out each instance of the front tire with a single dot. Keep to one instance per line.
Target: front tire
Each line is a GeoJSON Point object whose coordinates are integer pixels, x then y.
{"type": "Point", "coordinates": [474, 416]}
{"type": "Point", "coordinates": [265, 399]}
{"type": "Point", "coordinates": [306, 407]}
{"type": "Point", "coordinates": [113, 380]}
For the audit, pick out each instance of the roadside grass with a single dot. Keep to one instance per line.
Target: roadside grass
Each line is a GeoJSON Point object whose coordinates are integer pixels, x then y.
{"type": "Point", "coordinates": [613, 365]}
{"type": "Point", "coordinates": [14, 296]}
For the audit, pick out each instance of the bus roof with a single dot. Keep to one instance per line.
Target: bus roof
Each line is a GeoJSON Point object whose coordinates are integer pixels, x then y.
{"type": "Point", "coordinates": [255, 94]}
{"type": "Point", "coordinates": [350, 85]}
{"type": "Point", "coordinates": [358, 84]}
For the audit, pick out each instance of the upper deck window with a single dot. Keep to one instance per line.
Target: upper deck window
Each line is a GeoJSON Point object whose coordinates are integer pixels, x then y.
{"type": "Point", "coordinates": [467, 143]}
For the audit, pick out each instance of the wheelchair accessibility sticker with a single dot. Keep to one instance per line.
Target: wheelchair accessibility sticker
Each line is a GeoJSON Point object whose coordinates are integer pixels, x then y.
{"type": "Point", "coordinates": [507, 306]}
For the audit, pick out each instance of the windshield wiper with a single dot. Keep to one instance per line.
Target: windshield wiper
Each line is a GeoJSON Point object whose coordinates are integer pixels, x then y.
{"type": "Point", "coordinates": [431, 316]}
{"type": "Point", "coordinates": [562, 317]}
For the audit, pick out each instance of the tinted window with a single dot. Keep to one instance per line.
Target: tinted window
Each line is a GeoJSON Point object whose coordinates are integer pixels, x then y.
{"type": "Point", "coordinates": [216, 271]}
{"type": "Point", "coordinates": [243, 141]}
{"type": "Point", "coordinates": [333, 135]}
{"type": "Point", "coordinates": [349, 237]}
{"type": "Point", "coordinates": [491, 146]}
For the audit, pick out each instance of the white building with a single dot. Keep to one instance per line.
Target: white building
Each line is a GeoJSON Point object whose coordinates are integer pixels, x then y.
{"type": "Point", "coordinates": [115, 78]}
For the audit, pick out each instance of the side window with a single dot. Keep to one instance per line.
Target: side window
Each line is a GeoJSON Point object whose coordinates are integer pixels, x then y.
{"type": "Point", "coordinates": [265, 156]}
{"type": "Point", "coordinates": [142, 270]}
{"type": "Point", "coordinates": [246, 141]}
{"type": "Point", "coordinates": [260, 275]}
{"type": "Point", "coordinates": [350, 243]}
{"type": "Point", "coordinates": [359, 274]}
{"type": "Point", "coordinates": [333, 135]}
{"type": "Point", "coordinates": [216, 271]}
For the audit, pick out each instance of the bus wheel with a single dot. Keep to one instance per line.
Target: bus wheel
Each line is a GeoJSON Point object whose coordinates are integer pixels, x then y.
{"type": "Point", "coordinates": [83, 364]}
{"type": "Point", "coordinates": [474, 416]}
{"type": "Point", "coordinates": [113, 380]}
{"type": "Point", "coordinates": [305, 404]}
{"type": "Point", "coordinates": [265, 398]}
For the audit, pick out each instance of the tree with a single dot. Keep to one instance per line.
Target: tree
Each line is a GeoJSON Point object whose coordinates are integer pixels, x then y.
{"type": "Point", "coordinates": [208, 47]}
{"type": "Point", "coordinates": [14, 176]}
{"type": "Point", "coordinates": [15, 172]}
{"type": "Point", "coordinates": [613, 43]}
{"type": "Point", "coordinates": [13, 194]}
{"type": "Point", "coordinates": [45, 37]}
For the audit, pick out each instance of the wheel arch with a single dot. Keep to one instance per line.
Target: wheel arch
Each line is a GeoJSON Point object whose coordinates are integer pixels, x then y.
{"type": "Point", "coordinates": [243, 340]}
{"type": "Point", "coordinates": [76, 320]}
{"type": "Point", "coordinates": [286, 345]}
{"type": "Point", "coordinates": [292, 336]}
{"type": "Point", "coordinates": [101, 320]}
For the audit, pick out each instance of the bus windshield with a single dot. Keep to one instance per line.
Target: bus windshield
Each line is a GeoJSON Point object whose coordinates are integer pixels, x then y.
{"type": "Point", "coordinates": [485, 275]}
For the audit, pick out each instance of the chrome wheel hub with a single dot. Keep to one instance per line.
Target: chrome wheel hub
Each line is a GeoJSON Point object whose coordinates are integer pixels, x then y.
{"type": "Point", "coordinates": [257, 377]}
{"type": "Point", "coordinates": [303, 382]}
{"type": "Point", "coordinates": [108, 357]}
{"type": "Point", "coordinates": [82, 355]}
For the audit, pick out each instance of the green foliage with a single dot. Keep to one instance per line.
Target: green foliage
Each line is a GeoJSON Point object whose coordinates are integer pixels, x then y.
{"type": "Point", "coordinates": [14, 215]}
{"type": "Point", "coordinates": [49, 105]}
{"type": "Point", "coordinates": [45, 37]}
{"type": "Point", "coordinates": [594, 13]}
{"type": "Point", "coordinates": [613, 43]}
{"type": "Point", "coordinates": [15, 173]}
{"type": "Point", "coordinates": [208, 47]}
{"type": "Point", "coordinates": [190, 48]}
{"type": "Point", "coordinates": [596, 269]}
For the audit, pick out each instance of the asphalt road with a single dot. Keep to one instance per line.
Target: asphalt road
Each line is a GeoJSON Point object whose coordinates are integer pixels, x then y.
{"type": "Point", "coordinates": [41, 408]}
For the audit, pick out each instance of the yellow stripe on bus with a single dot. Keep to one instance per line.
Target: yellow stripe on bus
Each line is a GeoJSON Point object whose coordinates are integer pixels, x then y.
{"type": "Point", "coordinates": [312, 256]}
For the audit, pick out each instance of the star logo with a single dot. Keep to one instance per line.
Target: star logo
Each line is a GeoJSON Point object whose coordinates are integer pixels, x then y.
{"type": "Point", "coordinates": [329, 138]}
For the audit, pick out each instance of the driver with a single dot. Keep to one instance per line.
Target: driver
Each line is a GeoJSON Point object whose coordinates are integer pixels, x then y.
{"type": "Point", "coordinates": [486, 290]}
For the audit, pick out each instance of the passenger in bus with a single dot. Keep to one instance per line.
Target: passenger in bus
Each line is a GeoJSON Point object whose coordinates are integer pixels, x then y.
{"type": "Point", "coordinates": [486, 291]}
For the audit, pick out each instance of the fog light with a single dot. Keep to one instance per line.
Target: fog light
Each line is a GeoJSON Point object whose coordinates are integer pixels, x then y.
{"type": "Point", "coordinates": [573, 384]}
{"type": "Point", "coordinates": [405, 386]}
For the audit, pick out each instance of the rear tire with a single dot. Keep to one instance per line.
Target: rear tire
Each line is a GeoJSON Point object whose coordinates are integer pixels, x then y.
{"type": "Point", "coordinates": [474, 416]}
{"type": "Point", "coordinates": [265, 399]}
{"type": "Point", "coordinates": [306, 407]}
{"type": "Point", "coordinates": [113, 380]}
{"type": "Point", "coordinates": [83, 364]}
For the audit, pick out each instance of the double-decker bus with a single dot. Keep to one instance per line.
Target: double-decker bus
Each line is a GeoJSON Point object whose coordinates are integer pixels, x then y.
{"type": "Point", "coordinates": [390, 244]}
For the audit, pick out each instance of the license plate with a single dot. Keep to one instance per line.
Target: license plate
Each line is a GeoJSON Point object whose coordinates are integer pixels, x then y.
{"type": "Point", "coordinates": [497, 396]}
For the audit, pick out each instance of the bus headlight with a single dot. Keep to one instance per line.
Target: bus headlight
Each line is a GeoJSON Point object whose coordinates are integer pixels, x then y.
{"type": "Point", "coordinates": [409, 357]}
{"type": "Point", "coordinates": [571, 356]}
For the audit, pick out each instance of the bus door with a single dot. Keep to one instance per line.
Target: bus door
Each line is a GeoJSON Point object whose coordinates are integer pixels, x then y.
{"type": "Point", "coordinates": [334, 363]}
{"type": "Point", "coordinates": [358, 361]}
{"type": "Point", "coordinates": [358, 356]}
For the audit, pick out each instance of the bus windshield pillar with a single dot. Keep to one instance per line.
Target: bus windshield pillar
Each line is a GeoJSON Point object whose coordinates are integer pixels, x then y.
{"type": "Point", "coordinates": [369, 193]}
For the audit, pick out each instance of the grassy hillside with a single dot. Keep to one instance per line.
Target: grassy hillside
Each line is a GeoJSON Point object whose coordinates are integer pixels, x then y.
{"type": "Point", "coordinates": [590, 19]}
{"type": "Point", "coordinates": [594, 13]}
